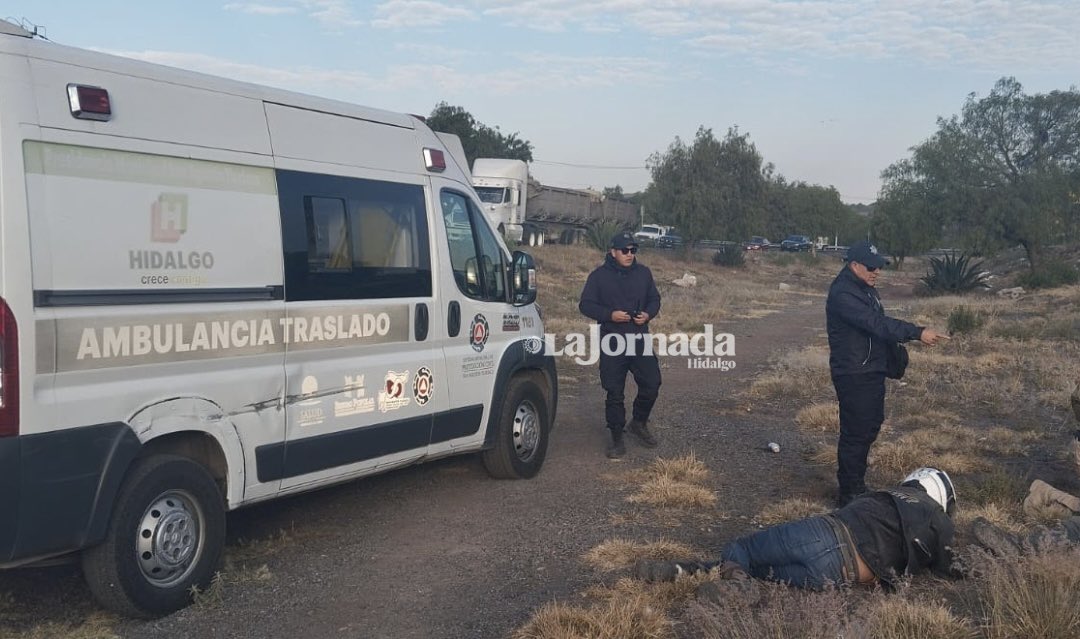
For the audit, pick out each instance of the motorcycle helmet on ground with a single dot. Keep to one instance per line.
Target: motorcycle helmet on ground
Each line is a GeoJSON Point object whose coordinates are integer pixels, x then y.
{"type": "Point", "coordinates": [936, 483]}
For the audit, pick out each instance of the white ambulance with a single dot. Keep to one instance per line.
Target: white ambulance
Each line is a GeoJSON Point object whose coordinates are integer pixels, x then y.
{"type": "Point", "coordinates": [214, 293]}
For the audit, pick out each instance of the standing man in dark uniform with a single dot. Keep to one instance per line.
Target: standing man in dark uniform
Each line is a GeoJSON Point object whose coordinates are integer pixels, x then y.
{"type": "Point", "coordinates": [622, 297]}
{"type": "Point", "coordinates": [859, 335]}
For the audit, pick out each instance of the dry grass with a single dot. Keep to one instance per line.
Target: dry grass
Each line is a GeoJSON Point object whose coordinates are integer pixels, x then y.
{"type": "Point", "coordinates": [629, 618]}
{"type": "Point", "coordinates": [97, 625]}
{"type": "Point", "coordinates": [798, 375]}
{"type": "Point", "coordinates": [628, 609]}
{"type": "Point", "coordinates": [823, 455]}
{"type": "Point", "coordinates": [770, 611]}
{"type": "Point", "coordinates": [687, 468]}
{"type": "Point", "coordinates": [790, 510]}
{"type": "Point", "coordinates": [674, 483]}
{"type": "Point", "coordinates": [1005, 518]}
{"type": "Point", "coordinates": [820, 417]}
{"type": "Point", "coordinates": [898, 618]}
{"type": "Point", "coordinates": [1035, 597]}
{"type": "Point", "coordinates": [663, 492]}
{"type": "Point", "coordinates": [617, 554]}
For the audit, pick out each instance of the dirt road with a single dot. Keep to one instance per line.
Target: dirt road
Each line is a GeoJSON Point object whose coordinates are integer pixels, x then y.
{"type": "Point", "coordinates": [442, 550]}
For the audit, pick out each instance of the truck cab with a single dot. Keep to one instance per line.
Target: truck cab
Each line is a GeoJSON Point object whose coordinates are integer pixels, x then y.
{"type": "Point", "coordinates": [502, 186]}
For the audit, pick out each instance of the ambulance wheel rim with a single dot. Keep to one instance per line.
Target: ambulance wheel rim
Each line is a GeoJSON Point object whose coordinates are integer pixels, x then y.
{"type": "Point", "coordinates": [526, 430]}
{"type": "Point", "coordinates": [168, 540]}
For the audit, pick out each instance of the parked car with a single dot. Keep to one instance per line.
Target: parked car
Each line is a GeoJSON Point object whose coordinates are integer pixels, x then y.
{"type": "Point", "coordinates": [796, 244]}
{"type": "Point", "coordinates": [757, 243]}
{"type": "Point", "coordinates": [669, 241]}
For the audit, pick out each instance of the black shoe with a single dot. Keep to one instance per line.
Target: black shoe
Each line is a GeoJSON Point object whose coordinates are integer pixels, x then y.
{"type": "Point", "coordinates": [641, 431]}
{"type": "Point", "coordinates": [844, 499]}
{"type": "Point", "coordinates": [994, 539]}
{"type": "Point", "coordinates": [617, 448]}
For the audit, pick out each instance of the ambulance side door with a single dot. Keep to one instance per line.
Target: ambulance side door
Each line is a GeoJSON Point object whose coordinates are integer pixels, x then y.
{"type": "Point", "coordinates": [358, 296]}
{"type": "Point", "coordinates": [477, 321]}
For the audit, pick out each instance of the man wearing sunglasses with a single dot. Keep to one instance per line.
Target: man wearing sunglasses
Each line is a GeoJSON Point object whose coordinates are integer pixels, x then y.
{"type": "Point", "coordinates": [859, 335]}
{"type": "Point", "coordinates": [622, 297]}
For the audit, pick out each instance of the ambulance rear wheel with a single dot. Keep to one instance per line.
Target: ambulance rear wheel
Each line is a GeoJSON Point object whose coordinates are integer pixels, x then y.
{"type": "Point", "coordinates": [165, 537]}
{"type": "Point", "coordinates": [524, 424]}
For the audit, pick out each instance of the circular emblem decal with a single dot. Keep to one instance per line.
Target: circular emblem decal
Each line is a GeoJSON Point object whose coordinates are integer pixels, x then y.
{"type": "Point", "coordinates": [478, 333]}
{"type": "Point", "coordinates": [421, 386]}
{"type": "Point", "coordinates": [533, 345]}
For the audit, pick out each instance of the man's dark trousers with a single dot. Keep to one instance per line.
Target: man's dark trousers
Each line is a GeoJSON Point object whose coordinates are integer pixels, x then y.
{"type": "Point", "coordinates": [646, 372]}
{"type": "Point", "coordinates": [862, 410]}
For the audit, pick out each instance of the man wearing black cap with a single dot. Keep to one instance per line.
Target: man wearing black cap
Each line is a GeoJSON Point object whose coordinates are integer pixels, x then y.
{"type": "Point", "coordinates": [622, 297]}
{"type": "Point", "coordinates": [859, 336]}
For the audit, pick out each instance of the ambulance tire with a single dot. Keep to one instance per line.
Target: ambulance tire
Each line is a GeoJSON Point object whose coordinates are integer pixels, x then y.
{"type": "Point", "coordinates": [166, 536]}
{"type": "Point", "coordinates": [523, 428]}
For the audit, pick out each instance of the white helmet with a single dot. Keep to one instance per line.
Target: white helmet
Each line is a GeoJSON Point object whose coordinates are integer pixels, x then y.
{"type": "Point", "coordinates": [936, 483]}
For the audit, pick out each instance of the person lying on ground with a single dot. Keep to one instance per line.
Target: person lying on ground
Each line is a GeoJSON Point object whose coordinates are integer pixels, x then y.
{"type": "Point", "coordinates": [877, 538]}
{"type": "Point", "coordinates": [1042, 500]}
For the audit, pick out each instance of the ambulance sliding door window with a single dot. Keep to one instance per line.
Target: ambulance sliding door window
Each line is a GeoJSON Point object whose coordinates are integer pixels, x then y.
{"type": "Point", "coordinates": [478, 263]}
{"type": "Point", "coordinates": [349, 238]}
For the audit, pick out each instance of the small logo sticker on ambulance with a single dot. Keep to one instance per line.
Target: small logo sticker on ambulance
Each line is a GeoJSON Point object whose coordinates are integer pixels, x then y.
{"type": "Point", "coordinates": [422, 386]}
{"type": "Point", "coordinates": [478, 332]}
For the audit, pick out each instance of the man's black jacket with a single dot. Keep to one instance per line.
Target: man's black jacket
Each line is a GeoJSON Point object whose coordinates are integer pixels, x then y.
{"type": "Point", "coordinates": [926, 530]}
{"type": "Point", "coordinates": [858, 327]}
{"type": "Point", "coordinates": [613, 288]}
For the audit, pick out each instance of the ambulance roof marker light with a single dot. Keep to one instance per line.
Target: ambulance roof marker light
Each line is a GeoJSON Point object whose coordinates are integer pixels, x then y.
{"type": "Point", "coordinates": [434, 160]}
{"type": "Point", "coordinates": [89, 103]}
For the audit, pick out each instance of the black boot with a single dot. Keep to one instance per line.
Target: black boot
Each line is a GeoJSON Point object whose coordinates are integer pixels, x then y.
{"type": "Point", "coordinates": [617, 448]}
{"type": "Point", "coordinates": [640, 430]}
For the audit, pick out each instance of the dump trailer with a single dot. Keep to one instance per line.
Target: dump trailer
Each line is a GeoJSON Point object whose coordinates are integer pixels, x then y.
{"type": "Point", "coordinates": [533, 213]}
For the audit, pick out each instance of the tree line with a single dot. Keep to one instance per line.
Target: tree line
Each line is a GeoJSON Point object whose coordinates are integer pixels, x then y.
{"type": "Point", "coordinates": [1005, 171]}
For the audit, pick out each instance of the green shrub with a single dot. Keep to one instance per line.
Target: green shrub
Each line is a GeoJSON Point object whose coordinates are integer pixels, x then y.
{"type": "Point", "coordinates": [784, 259]}
{"type": "Point", "coordinates": [1049, 274]}
{"type": "Point", "coordinates": [599, 233]}
{"type": "Point", "coordinates": [954, 274]}
{"type": "Point", "coordinates": [964, 320]}
{"type": "Point", "coordinates": [729, 256]}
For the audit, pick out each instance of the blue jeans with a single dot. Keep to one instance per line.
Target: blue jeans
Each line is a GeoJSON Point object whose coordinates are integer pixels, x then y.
{"type": "Point", "coordinates": [806, 553]}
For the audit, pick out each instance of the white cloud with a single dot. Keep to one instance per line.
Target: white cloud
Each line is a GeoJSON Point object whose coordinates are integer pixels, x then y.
{"type": "Point", "coordinates": [524, 72]}
{"type": "Point", "coordinates": [332, 14]}
{"type": "Point", "coordinates": [260, 9]}
{"type": "Point", "coordinates": [324, 82]}
{"type": "Point", "coordinates": [410, 14]}
{"type": "Point", "coordinates": [976, 33]}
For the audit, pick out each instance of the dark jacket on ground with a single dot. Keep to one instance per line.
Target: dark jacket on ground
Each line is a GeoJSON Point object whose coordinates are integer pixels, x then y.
{"type": "Point", "coordinates": [613, 288]}
{"type": "Point", "coordinates": [858, 327]}
{"type": "Point", "coordinates": [926, 532]}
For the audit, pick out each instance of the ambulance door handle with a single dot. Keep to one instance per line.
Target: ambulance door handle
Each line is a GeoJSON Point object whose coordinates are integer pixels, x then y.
{"type": "Point", "coordinates": [453, 319]}
{"type": "Point", "coordinates": [420, 329]}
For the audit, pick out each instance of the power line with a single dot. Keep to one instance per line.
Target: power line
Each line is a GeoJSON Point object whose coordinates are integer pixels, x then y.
{"type": "Point", "coordinates": [591, 166]}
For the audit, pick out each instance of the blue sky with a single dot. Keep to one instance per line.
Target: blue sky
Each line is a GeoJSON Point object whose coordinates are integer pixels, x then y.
{"type": "Point", "coordinates": [830, 91]}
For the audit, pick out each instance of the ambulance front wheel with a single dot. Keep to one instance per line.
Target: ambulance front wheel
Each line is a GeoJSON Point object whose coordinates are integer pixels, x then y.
{"type": "Point", "coordinates": [166, 536]}
{"type": "Point", "coordinates": [522, 439]}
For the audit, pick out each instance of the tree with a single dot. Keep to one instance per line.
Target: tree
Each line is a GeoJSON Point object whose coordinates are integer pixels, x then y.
{"type": "Point", "coordinates": [709, 189]}
{"type": "Point", "coordinates": [478, 139]}
{"type": "Point", "coordinates": [905, 221]}
{"type": "Point", "coordinates": [1003, 172]}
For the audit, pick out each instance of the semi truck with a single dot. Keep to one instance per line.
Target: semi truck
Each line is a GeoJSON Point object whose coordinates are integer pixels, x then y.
{"type": "Point", "coordinates": [532, 213]}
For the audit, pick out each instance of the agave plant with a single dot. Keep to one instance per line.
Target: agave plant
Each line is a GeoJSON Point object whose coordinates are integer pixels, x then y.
{"type": "Point", "coordinates": [954, 273]}
{"type": "Point", "coordinates": [599, 233]}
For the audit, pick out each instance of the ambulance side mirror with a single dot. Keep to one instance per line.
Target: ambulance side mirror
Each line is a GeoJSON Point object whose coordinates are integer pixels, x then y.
{"type": "Point", "coordinates": [472, 277]}
{"type": "Point", "coordinates": [523, 278]}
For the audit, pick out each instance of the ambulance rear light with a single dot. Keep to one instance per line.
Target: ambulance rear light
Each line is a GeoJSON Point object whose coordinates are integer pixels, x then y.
{"type": "Point", "coordinates": [89, 103]}
{"type": "Point", "coordinates": [9, 372]}
{"type": "Point", "coordinates": [434, 160]}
